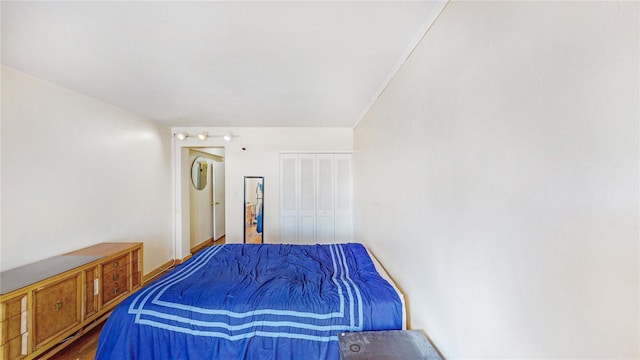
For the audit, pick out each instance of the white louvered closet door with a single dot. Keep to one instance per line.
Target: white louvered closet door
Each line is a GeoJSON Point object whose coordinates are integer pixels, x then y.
{"type": "Point", "coordinates": [326, 195]}
{"type": "Point", "coordinates": [343, 198]}
{"type": "Point", "coordinates": [288, 198]}
{"type": "Point", "coordinates": [307, 198]}
{"type": "Point", "coordinates": [316, 198]}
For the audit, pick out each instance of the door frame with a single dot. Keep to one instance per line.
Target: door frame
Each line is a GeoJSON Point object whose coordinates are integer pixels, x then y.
{"type": "Point", "coordinates": [214, 199]}
{"type": "Point", "coordinates": [180, 182]}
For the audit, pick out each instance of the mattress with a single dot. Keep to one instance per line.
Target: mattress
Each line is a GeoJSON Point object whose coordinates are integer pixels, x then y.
{"type": "Point", "coordinates": [264, 301]}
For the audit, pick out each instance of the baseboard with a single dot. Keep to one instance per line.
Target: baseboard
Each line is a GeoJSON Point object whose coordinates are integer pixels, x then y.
{"type": "Point", "coordinates": [202, 245]}
{"type": "Point", "coordinates": [153, 274]}
{"type": "Point", "coordinates": [183, 260]}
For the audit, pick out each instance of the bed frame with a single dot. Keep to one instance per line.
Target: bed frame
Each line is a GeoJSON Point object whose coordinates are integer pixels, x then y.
{"type": "Point", "coordinates": [381, 270]}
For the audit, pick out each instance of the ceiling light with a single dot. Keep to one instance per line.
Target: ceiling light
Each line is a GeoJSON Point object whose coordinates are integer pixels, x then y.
{"type": "Point", "coordinates": [203, 135]}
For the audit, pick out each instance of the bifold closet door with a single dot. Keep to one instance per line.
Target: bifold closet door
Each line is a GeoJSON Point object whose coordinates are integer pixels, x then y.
{"type": "Point", "coordinates": [288, 198]}
{"type": "Point", "coordinates": [307, 198]}
{"type": "Point", "coordinates": [316, 198]}
{"type": "Point", "coordinates": [343, 209]}
{"type": "Point", "coordinates": [326, 195]}
{"type": "Point", "coordinates": [298, 198]}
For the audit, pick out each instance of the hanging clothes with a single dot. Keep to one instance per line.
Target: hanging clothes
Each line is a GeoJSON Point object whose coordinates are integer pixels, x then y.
{"type": "Point", "coordinates": [258, 208]}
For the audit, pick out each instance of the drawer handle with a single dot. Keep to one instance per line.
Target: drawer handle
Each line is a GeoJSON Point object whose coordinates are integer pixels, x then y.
{"type": "Point", "coordinates": [116, 291]}
{"type": "Point", "coordinates": [115, 264]}
{"type": "Point", "coordinates": [115, 277]}
{"type": "Point", "coordinates": [58, 305]}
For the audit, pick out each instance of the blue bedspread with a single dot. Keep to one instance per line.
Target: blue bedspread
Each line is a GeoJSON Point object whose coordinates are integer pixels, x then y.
{"type": "Point", "coordinates": [253, 302]}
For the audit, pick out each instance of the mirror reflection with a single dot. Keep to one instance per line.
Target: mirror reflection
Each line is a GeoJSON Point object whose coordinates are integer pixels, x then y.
{"type": "Point", "coordinates": [199, 173]}
{"type": "Point", "coordinates": [253, 209]}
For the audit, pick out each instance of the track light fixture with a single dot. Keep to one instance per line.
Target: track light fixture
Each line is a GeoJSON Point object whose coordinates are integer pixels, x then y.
{"type": "Point", "coordinates": [204, 135]}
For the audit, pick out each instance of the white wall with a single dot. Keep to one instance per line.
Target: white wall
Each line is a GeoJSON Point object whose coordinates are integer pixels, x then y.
{"type": "Point", "coordinates": [76, 172]}
{"type": "Point", "coordinates": [517, 123]}
{"type": "Point", "coordinates": [261, 158]}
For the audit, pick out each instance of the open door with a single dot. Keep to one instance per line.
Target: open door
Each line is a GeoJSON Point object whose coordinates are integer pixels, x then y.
{"type": "Point", "coordinates": [218, 200]}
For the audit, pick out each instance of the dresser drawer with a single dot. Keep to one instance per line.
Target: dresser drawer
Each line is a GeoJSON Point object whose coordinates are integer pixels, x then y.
{"type": "Point", "coordinates": [13, 319]}
{"type": "Point", "coordinates": [115, 282]}
{"type": "Point", "coordinates": [116, 275]}
{"type": "Point", "coordinates": [13, 328]}
{"type": "Point", "coordinates": [117, 264]}
{"type": "Point", "coordinates": [15, 349]}
{"type": "Point", "coordinates": [57, 308]}
{"type": "Point", "coordinates": [113, 289]}
{"type": "Point", "coordinates": [13, 307]}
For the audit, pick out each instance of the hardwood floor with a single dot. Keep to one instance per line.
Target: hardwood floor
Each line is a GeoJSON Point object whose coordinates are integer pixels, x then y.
{"type": "Point", "coordinates": [82, 349]}
{"type": "Point", "coordinates": [253, 237]}
{"type": "Point", "coordinates": [219, 241]}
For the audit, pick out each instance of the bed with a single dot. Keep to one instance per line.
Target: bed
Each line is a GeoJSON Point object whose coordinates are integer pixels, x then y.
{"type": "Point", "coordinates": [264, 301]}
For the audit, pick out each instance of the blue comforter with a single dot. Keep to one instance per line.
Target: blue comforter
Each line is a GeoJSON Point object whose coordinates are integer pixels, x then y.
{"type": "Point", "coordinates": [253, 302]}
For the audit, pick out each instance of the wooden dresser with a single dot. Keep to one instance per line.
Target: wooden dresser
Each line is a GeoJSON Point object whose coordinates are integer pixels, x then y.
{"type": "Point", "coordinates": [46, 305]}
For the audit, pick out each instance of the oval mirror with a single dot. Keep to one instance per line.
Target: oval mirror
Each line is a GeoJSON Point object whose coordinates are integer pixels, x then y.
{"type": "Point", "coordinates": [199, 173]}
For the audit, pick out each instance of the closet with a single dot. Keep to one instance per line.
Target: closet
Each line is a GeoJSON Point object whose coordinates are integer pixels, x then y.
{"type": "Point", "coordinates": [316, 197]}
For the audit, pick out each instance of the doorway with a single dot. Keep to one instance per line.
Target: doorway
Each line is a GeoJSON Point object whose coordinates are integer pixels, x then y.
{"type": "Point", "coordinates": [206, 195]}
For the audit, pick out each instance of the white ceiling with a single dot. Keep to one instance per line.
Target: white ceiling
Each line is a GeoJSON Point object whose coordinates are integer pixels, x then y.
{"type": "Point", "coordinates": [219, 63]}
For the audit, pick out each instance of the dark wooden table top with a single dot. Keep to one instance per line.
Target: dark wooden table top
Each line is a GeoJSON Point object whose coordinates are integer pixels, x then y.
{"type": "Point", "coordinates": [386, 345]}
